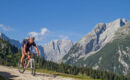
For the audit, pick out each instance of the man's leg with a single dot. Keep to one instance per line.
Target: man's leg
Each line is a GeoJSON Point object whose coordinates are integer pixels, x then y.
{"type": "Point", "coordinates": [22, 57]}
{"type": "Point", "coordinates": [29, 57]}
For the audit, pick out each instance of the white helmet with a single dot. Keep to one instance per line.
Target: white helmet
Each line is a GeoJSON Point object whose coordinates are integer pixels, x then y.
{"type": "Point", "coordinates": [30, 37]}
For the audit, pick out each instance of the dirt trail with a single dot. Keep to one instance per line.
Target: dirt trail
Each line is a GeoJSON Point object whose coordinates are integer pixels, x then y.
{"type": "Point", "coordinates": [13, 74]}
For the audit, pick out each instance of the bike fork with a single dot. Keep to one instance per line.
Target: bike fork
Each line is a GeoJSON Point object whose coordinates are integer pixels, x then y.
{"type": "Point", "coordinates": [31, 63]}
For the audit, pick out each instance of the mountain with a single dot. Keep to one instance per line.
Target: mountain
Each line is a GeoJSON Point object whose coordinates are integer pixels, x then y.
{"type": "Point", "coordinates": [12, 41]}
{"type": "Point", "coordinates": [106, 47]}
{"type": "Point", "coordinates": [56, 49]}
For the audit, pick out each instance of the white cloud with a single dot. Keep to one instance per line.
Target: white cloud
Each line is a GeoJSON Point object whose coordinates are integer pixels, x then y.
{"type": "Point", "coordinates": [45, 35]}
{"type": "Point", "coordinates": [33, 34]}
{"type": "Point", "coordinates": [4, 28]}
{"type": "Point", "coordinates": [39, 35]}
{"type": "Point", "coordinates": [44, 31]}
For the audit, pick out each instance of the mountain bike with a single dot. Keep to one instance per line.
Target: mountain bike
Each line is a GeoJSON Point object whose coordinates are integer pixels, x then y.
{"type": "Point", "coordinates": [27, 64]}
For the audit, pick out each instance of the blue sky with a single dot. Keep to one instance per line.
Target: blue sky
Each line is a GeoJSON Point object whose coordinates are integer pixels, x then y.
{"type": "Point", "coordinates": [58, 19]}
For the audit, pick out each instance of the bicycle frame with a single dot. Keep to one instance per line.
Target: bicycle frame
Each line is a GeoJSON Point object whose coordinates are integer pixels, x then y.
{"type": "Point", "coordinates": [31, 61]}
{"type": "Point", "coordinates": [27, 63]}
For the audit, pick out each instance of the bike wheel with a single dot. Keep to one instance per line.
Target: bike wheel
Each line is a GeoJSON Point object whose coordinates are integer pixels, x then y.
{"type": "Point", "coordinates": [21, 67]}
{"type": "Point", "coordinates": [33, 68]}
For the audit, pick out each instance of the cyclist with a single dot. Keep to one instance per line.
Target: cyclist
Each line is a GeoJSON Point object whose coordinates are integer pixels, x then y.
{"type": "Point", "coordinates": [26, 45]}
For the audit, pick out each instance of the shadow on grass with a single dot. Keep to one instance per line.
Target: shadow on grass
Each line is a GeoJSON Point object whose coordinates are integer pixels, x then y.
{"type": "Point", "coordinates": [7, 75]}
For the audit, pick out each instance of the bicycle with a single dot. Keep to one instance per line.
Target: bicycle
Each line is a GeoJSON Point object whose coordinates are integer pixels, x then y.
{"type": "Point", "coordinates": [27, 63]}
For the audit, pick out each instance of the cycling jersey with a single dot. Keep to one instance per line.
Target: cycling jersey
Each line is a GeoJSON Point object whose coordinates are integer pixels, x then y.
{"type": "Point", "coordinates": [25, 42]}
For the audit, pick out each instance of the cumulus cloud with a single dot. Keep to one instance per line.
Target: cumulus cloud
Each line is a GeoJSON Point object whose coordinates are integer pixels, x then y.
{"type": "Point", "coordinates": [44, 31]}
{"type": "Point", "coordinates": [5, 28]}
{"type": "Point", "coordinates": [39, 35]}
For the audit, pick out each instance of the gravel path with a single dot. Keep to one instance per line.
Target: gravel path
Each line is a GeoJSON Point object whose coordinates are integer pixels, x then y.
{"type": "Point", "coordinates": [13, 74]}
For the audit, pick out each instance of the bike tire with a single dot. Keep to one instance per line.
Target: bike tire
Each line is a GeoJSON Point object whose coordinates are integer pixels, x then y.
{"type": "Point", "coordinates": [33, 68]}
{"type": "Point", "coordinates": [21, 69]}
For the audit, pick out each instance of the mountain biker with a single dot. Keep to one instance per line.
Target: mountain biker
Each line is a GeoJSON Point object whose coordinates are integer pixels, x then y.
{"type": "Point", "coordinates": [26, 45]}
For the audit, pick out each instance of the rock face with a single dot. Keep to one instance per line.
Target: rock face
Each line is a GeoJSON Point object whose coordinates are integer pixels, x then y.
{"type": "Point", "coordinates": [12, 41]}
{"type": "Point", "coordinates": [101, 35]}
{"type": "Point", "coordinates": [114, 56]}
{"type": "Point", "coordinates": [95, 40]}
{"type": "Point", "coordinates": [103, 48]}
{"type": "Point", "coordinates": [56, 49]}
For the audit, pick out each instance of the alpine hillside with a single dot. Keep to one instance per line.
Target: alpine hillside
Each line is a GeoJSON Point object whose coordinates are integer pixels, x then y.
{"type": "Point", "coordinates": [12, 41]}
{"type": "Point", "coordinates": [106, 47]}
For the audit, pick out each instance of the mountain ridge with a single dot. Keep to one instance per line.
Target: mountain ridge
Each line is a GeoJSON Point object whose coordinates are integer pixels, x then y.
{"type": "Point", "coordinates": [56, 49]}
{"type": "Point", "coordinates": [16, 43]}
{"type": "Point", "coordinates": [86, 51]}
{"type": "Point", "coordinates": [98, 37]}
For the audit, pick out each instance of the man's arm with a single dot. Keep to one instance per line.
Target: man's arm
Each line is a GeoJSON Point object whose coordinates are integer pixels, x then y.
{"type": "Point", "coordinates": [24, 49]}
{"type": "Point", "coordinates": [36, 48]}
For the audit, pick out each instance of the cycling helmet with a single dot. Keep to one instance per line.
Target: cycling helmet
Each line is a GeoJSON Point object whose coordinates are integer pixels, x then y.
{"type": "Point", "coordinates": [31, 37]}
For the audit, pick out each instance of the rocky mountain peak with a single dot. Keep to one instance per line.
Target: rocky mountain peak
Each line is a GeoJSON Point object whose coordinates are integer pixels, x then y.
{"type": "Point", "coordinates": [102, 34]}
{"type": "Point", "coordinates": [56, 49]}
{"type": "Point", "coordinates": [120, 21]}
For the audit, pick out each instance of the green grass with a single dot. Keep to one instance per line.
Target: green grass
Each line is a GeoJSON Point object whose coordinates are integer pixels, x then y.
{"type": "Point", "coordinates": [2, 78]}
{"type": "Point", "coordinates": [78, 77]}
